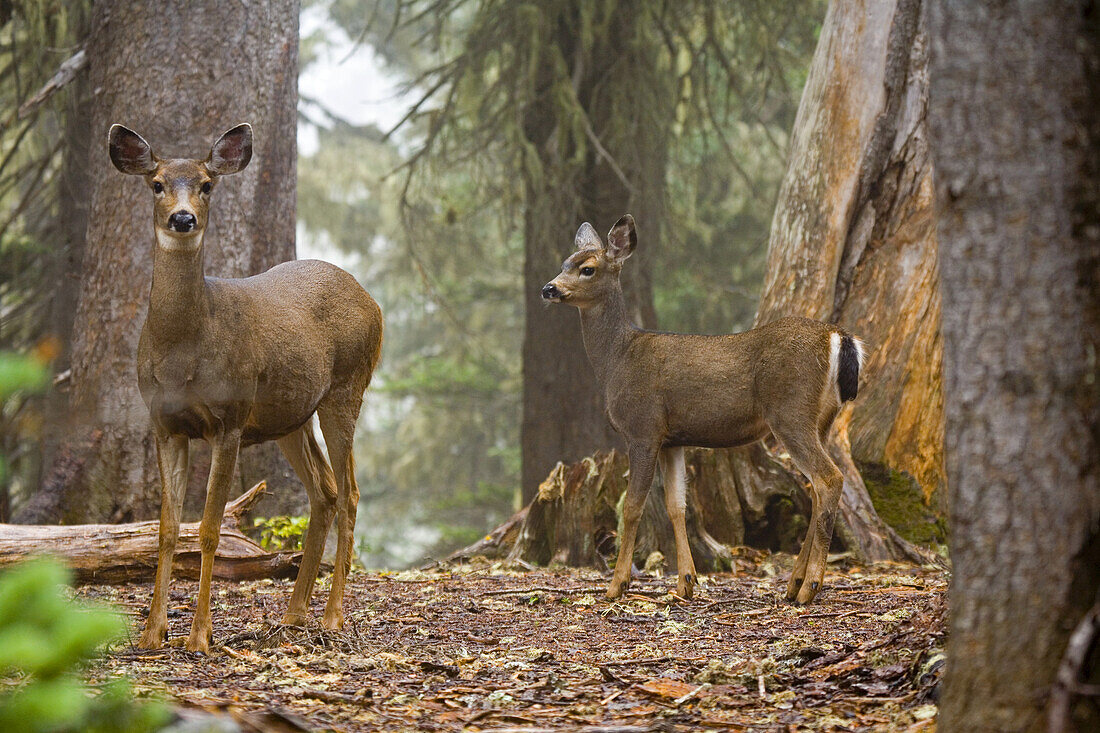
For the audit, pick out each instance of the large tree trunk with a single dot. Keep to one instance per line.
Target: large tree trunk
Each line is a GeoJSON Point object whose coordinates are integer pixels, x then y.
{"type": "Point", "coordinates": [1015, 112]}
{"type": "Point", "coordinates": [180, 74]}
{"type": "Point", "coordinates": [563, 411]}
{"type": "Point", "coordinates": [853, 242]}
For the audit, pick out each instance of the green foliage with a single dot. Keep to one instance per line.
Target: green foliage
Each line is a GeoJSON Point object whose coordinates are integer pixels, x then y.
{"type": "Point", "coordinates": [44, 640]}
{"type": "Point", "coordinates": [282, 532]}
{"type": "Point", "coordinates": [21, 375]}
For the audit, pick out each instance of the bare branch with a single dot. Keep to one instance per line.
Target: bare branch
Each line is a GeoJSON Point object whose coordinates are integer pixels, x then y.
{"type": "Point", "coordinates": [65, 73]}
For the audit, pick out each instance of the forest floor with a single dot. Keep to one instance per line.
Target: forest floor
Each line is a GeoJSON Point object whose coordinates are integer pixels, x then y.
{"type": "Point", "coordinates": [484, 647]}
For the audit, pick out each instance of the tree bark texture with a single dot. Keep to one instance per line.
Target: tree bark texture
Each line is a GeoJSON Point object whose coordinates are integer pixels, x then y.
{"type": "Point", "coordinates": [853, 242]}
{"type": "Point", "coordinates": [1015, 121]}
{"type": "Point", "coordinates": [563, 410]}
{"type": "Point", "coordinates": [127, 553]}
{"type": "Point", "coordinates": [180, 74]}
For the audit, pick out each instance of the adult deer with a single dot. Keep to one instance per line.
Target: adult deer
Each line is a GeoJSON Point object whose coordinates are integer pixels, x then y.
{"type": "Point", "coordinates": [665, 391]}
{"type": "Point", "coordinates": [243, 361]}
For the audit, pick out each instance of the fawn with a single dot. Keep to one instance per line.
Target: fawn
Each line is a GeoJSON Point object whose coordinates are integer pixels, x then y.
{"type": "Point", "coordinates": [242, 361]}
{"type": "Point", "coordinates": [664, 391]}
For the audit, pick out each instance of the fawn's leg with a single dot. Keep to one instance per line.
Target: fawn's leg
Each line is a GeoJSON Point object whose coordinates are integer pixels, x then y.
{"type": "Point", "coordinates": [223, 460]}
{"type": "Point", "coordinates": [642, 462]}
{"type": "Point", "coordinates": [675, 476]}
{"type": "Point", "coordinates": [305, 455]}
{"type": "Point", "coordinates": [172, 460]}
{"type": "Point", "coordinates": [338, 425]}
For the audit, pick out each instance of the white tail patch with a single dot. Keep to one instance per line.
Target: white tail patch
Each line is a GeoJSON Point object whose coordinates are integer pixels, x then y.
{"type": "Point", "coordinates": [860, 353]}
{"type": "Point", "coordinates": [834, 361]}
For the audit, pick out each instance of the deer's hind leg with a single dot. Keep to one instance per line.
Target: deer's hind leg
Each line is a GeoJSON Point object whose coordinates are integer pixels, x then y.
{"type": "Point", "coordinates": [337, 415]}
{"type": "Point", "coordinates": [305, 455]}
{"type": "Point", "coordinates": [810, 456]}
{"type": "Point", "coordinates": [798, 573]}
{"type": "Point", "coordinates": [675, 478]}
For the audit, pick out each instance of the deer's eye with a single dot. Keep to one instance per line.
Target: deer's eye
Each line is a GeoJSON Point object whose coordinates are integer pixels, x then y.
{"type": "Point", "coordinates": [588, 271]}
{"type": "Point", "coordinates": [206, 187]}
{"type": "Point", "coordinates": [158, 187]}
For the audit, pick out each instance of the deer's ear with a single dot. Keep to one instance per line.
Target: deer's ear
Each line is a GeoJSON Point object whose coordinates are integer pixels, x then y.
{"type": "Point", "coordinates": [622, 239]}
{"type": "Point", "coordinates": [587, 238]}
{"type": "Point", "coordinates": [129, 152]}
{"type": "Point", "coordinates": [232, 151]}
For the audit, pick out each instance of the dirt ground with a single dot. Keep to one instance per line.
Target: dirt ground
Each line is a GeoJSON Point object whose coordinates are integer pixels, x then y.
{"type": "Point", "coordinates": [484, 647]}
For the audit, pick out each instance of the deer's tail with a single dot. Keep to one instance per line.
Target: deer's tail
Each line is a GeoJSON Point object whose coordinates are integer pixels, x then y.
{"type": "Point", "coordinates": [845, 362]}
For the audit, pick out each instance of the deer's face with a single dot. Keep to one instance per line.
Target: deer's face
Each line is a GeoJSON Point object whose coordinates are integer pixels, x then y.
{"type": "Point", "coordinates": [586, 277]}
{"type": "Point", "coordinates": [592, 272]}
{"type": "Point", "coordinates": [181, 196]}
{"type": "Point", "coordinates": [181, 186]}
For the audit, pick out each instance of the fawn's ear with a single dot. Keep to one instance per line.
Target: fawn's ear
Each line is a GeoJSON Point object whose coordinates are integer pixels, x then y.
{"type": "Point", "coordinates": [129, 151]}
{"type": "Point", "coordinates": [622, 239]}
{"type": "Point", "coordinates": [587, 238]}
{"type": "Point", "coordinates": [232, 151]}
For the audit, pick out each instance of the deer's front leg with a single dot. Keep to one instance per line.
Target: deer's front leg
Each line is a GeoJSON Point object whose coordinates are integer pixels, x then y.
{"type": "Point", "coordinates": [172, 460]}
{"type": "Point", "coordinates": [642, 461]}
{"type": "Point", "coordinates": [223, 460]}
{"type": "Point", "coordinates": [675, 475]}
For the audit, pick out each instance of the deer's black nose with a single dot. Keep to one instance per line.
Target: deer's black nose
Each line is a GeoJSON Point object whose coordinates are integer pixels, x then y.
{"type": "Point", "coordinates": [181, 221]}
{"type": "Point", "coordinates": [550, 291]}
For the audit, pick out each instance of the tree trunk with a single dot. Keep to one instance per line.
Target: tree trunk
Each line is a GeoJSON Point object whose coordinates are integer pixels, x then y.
{"type": "Point", "coordinates": [1015, 114]}
{"type": "Point", "coordinates": [853, 242]}
{"type": "Point", "coordinates": [563, 411]}
{"type": "Point", "coordinates": [127, 553]}
{"type": "Point", "coordinates": [180, 74]}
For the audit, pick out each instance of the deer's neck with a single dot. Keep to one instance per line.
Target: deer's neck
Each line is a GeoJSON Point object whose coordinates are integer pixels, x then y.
{"type": "Point", "coordinates": [177, 300]}
{"type": "Point", "coordinates": [607, 334]}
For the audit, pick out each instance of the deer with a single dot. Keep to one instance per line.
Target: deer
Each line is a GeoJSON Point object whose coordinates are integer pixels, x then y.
{"type": "Point", "coordinates": [666, 391]}
{"type": "Point", "coordinates": [241, 361]}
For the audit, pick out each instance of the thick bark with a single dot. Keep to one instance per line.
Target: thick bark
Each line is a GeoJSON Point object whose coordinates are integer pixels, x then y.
{"type": "Point", "coordinates": [181, 74]}
{"type": "Point", "coordinates": [563, 411]}
{"type": "Point", "coordinates": [1015, 117]}
{"type": "Point", "coordinates": [127, 553]}
{"type": "Point", "coordinates": [853, 242]}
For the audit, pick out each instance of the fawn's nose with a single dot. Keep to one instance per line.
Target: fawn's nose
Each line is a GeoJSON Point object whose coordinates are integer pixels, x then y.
{"type": "Point", "coordinates": [181, 221]}
{"type": "Point", "coordinates": [550, 291]}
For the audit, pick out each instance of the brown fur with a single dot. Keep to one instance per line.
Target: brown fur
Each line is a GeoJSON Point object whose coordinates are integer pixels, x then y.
{"type": "Point", "coordinates": [242, 361]}
{"type": "Point", "coordinates": [665, 391]}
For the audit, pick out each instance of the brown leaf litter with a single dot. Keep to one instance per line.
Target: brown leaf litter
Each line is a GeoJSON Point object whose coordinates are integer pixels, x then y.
{"type": "Point", "coordinates": [483, 646]}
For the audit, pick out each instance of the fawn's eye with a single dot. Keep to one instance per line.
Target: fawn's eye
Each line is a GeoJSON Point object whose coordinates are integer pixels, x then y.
{"type": "Point", "coordinates": [206, 187]}
{"type": "Point", "coordinates": [158, 187]}
{"type": "Point", "coordinates": [588, 271]}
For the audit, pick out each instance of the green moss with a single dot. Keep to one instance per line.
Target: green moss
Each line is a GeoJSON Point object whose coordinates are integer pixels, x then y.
{"type": "Point", "coordinates": [898, 499]}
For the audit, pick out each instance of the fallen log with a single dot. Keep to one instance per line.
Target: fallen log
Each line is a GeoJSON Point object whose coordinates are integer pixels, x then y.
{"type": "Point", "coordinates": [122, 553]}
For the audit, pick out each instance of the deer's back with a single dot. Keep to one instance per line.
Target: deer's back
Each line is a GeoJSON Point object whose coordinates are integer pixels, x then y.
{"type": "Point", "coordinates": [718, 391]}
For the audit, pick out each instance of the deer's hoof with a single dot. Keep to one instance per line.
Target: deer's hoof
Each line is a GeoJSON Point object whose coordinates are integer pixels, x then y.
{"type": "Point", "coordinates": [807, 593]}
{"type": "Point", "coordinates": [199, 640]}
{"type": "Point", "coordinates": [333, 621]}
{"type": "Point", "coordinates": [295, 619]}
{"type": "Point", "coordinates": [152, 638]}
{"type": "Point", "coordinates": [793, 586]}
{"type": "Point", "coordinates": [685, 587]}
{"type": "Point", "coordinates": [615, 590]}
